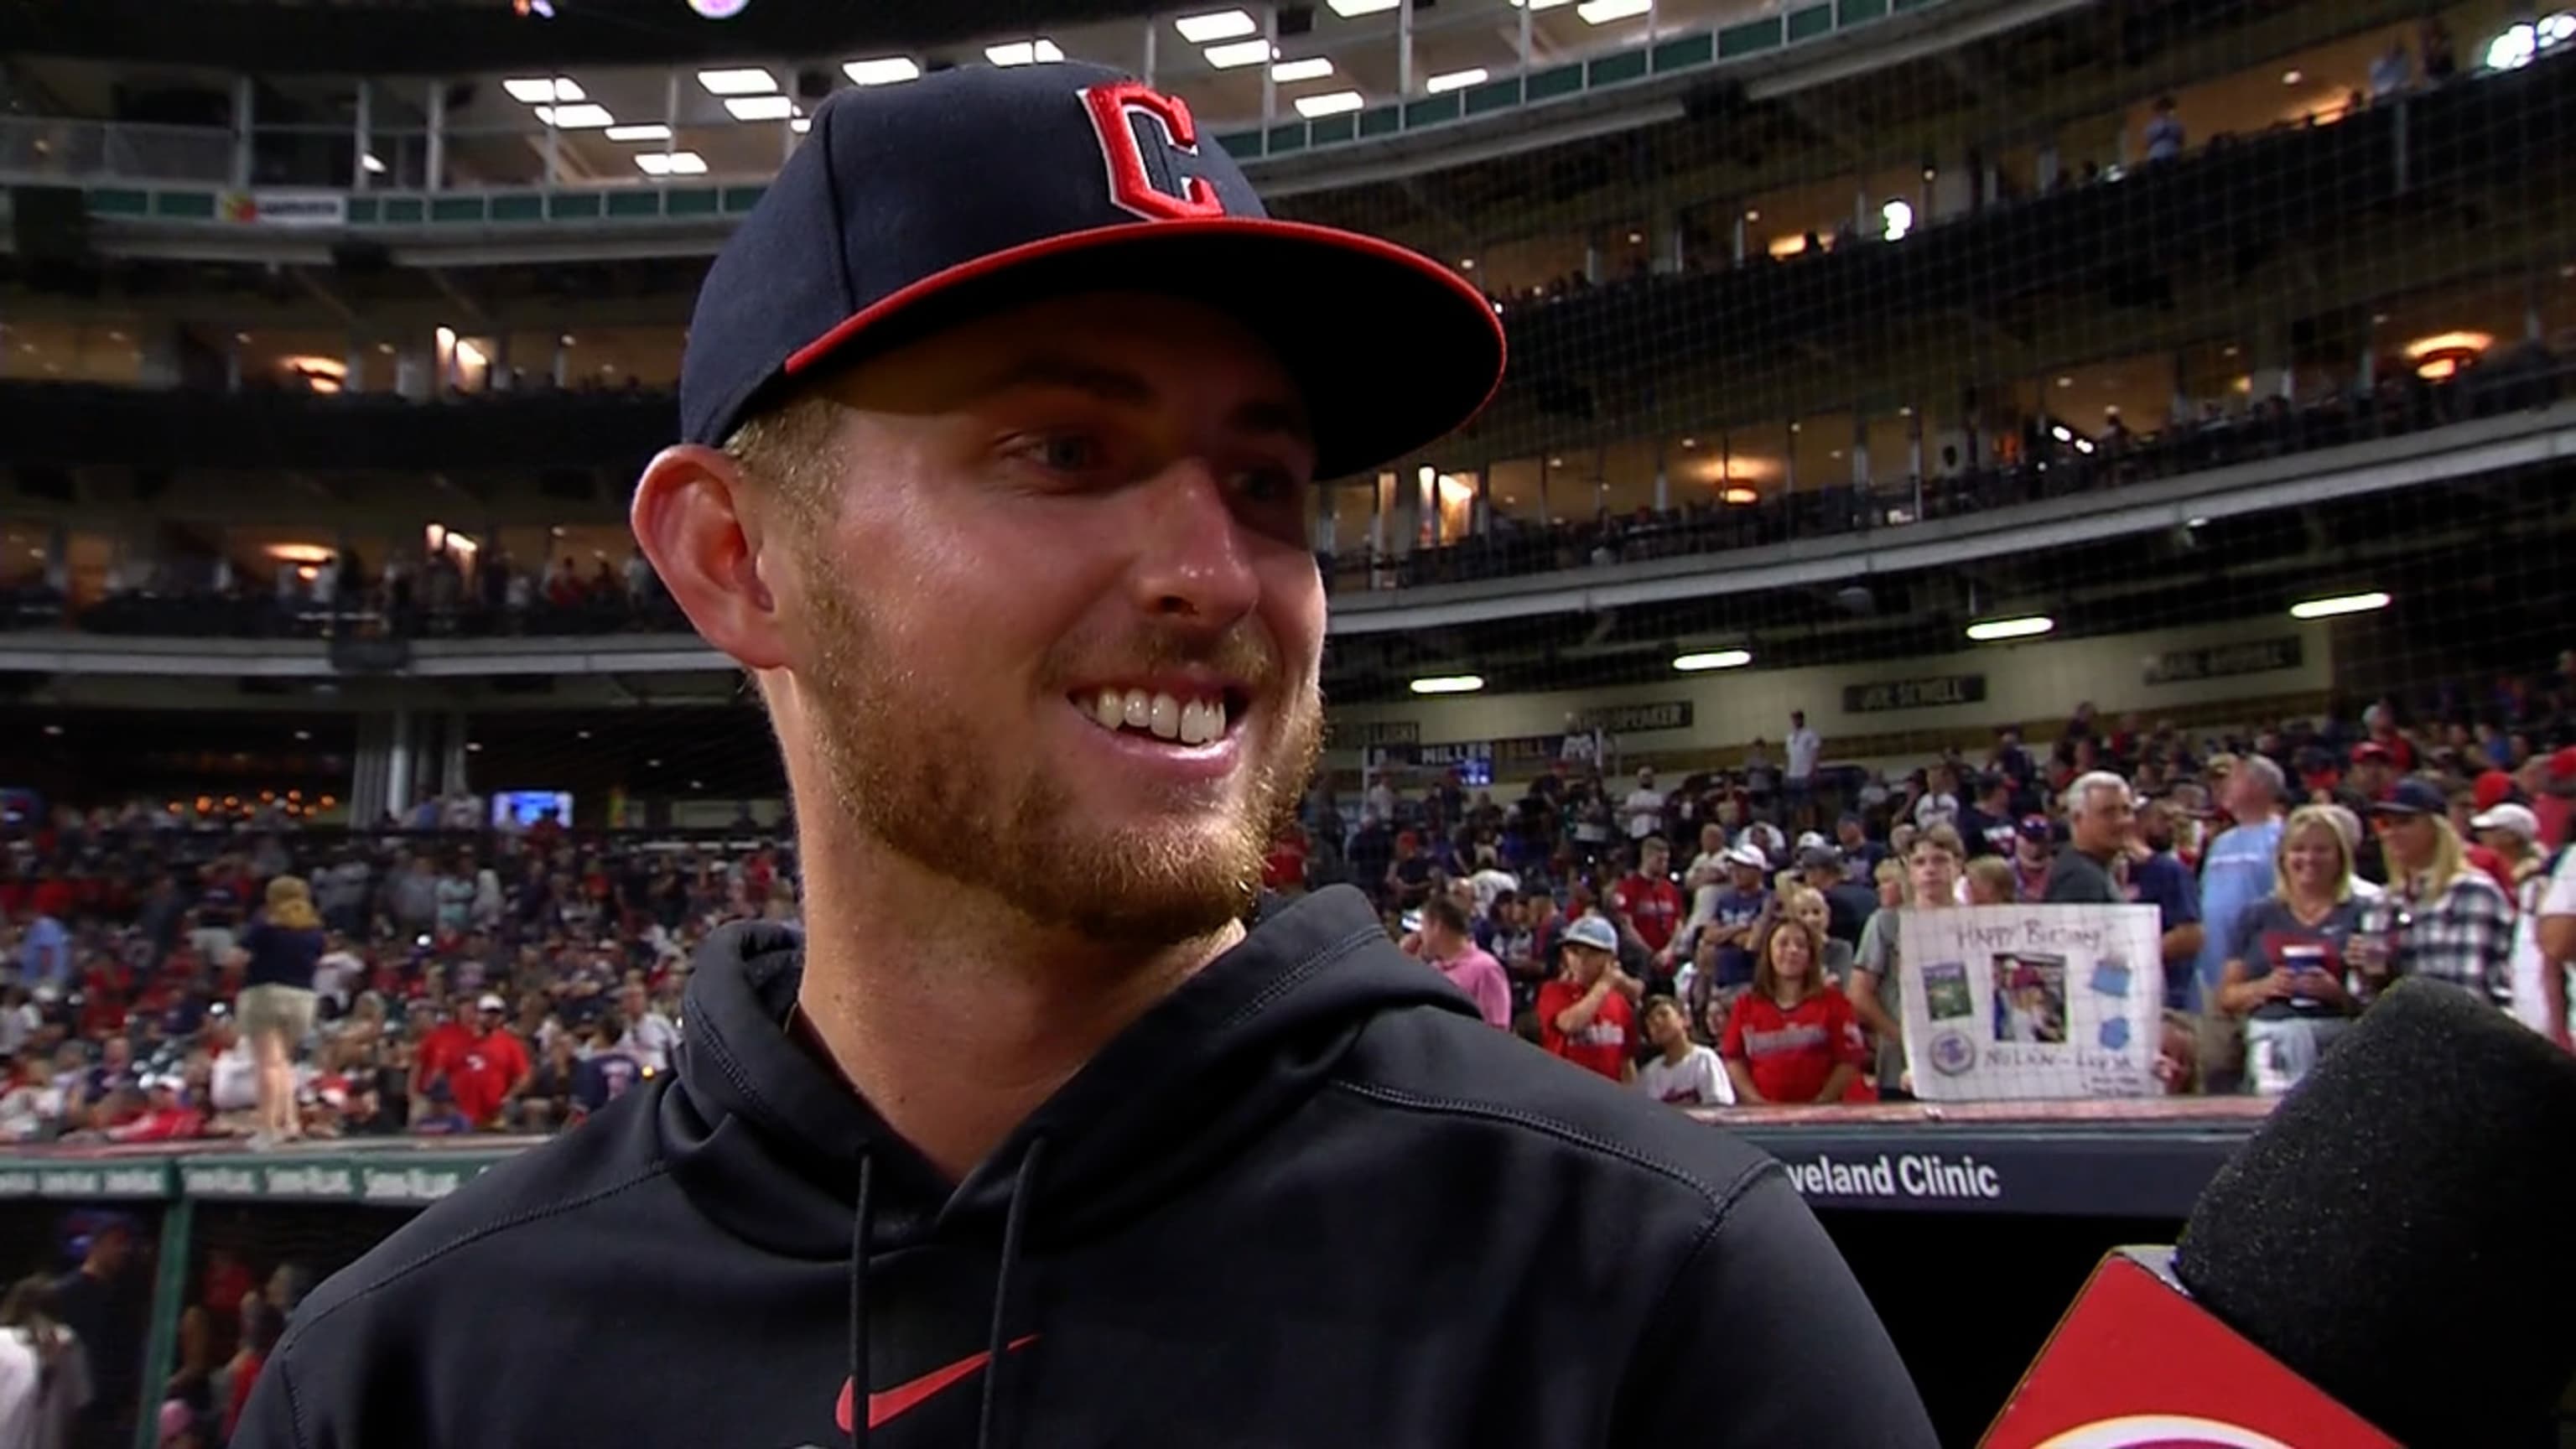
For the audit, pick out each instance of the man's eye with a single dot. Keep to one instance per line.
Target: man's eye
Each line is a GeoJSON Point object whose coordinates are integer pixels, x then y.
{"type": "Point", "coordinates": [1064, 452]}
{"type": "Point", "coordinates": [1267, 485]}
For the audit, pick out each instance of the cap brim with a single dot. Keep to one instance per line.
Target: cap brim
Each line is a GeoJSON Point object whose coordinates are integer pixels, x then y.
{"type": "Point", "coordinates": [1392, 350]}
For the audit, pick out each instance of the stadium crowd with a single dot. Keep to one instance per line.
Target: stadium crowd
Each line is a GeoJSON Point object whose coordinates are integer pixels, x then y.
{"type": "Point", "coordinates": [260, 979]}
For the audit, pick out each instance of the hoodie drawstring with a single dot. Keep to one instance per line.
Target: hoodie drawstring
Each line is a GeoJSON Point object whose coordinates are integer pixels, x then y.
{"type": "Point", "coordinates": [997, 1346]}
{"type": "Point", "coordinates": [859, 1306]}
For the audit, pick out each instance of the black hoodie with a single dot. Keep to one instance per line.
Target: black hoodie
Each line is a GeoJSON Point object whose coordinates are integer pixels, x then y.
{"type": "Point", "coordinates": [1308, 1199]}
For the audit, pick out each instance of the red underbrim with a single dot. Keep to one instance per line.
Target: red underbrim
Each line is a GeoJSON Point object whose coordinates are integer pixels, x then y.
{"type": "Point", "coordinates": [1392, 350]}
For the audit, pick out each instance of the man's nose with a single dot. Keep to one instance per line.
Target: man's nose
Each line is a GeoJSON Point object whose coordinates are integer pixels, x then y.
{"type": "Point", "coordinates": [1193, 562]}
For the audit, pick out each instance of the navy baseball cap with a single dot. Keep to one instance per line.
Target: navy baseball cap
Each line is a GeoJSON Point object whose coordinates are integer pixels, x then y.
{"type": "Point", "coordinates": [913, 207]}
{"type": "Point", "coordinates": [2413, 796]}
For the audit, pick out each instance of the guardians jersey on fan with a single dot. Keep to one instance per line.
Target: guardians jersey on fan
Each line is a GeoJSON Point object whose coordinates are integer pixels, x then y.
{"type": "Point", "coordinates": [1309, 1199]}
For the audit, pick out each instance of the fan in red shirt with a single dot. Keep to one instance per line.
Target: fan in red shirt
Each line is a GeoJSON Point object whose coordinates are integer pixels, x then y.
{"type": "Point", "coordinates": [1648, 901]}
{"type": "Point", "coordinates": [1792, 1038]}
{"type": "Point", "coordinates": [1284, 869]}
{"type": "Point", "coordinates": [485, 1066]}
{"type": "Point", "coordinates": [1585, 1015]}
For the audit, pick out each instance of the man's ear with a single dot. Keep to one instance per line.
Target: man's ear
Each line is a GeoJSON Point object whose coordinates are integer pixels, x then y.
{"type": "Point", "coordinates": [691, 516]}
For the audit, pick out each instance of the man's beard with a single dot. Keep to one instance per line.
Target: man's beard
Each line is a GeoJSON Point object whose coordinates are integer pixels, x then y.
{"type": "Point", "coordinates": [905, 765]}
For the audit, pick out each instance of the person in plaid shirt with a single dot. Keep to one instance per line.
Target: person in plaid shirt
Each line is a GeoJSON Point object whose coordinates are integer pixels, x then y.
{"type": "Point", "coordinates": [2442, 918]}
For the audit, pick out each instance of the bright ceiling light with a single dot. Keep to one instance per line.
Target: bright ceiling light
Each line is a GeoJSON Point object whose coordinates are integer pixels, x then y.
{"type": "Point", "coordinates": [1739, 497]}
{"type": "Point", "coordinates": [575, 118]}
{"type": "Point", "coordinates": [1455, 79]}
{"type": "Point", "coordinates": [2443, 342]}
{"type": "Point", "coordinates": [537, 90]}
{"type": "Point", "coordinates": [2339, 604]}
{"type": "Point", "coordinates": [1896, 218]}
{"type": "Point", "coordinates": [1350, 9]}
{"type": "Point", "coordinates": [1987, 631]}
{"type": "Point", "coordinates": [1330, 103]}
{"type": "Point", "coordinates": [1602, 12]}
{"type": "Point", "coordinates": [1040, 51]}
{"type": "Point", "coordinates": [1215, 25]}
{"type": "Point", "coordinates": [1313, 67]}
{"type": "Point", "coordinates": [747, 80]}
{"type": "Point", "coordinates": [1241, 52]}
{"type": "Point", "coordinates": [1449, 684]}
{"type": "Point", "coordinates": [299, 553]}
{"type": "Point", "coordinates": [671, 163]}
{"type": "Point", "coordinates": [650, 131]}
{"type": "Point", "coordinates": [1714, 659]}
{"type": "Point", "coordinates": [883, 71]}
{"type": "Point", "coordinates": [375, 164]}
{"type": "Point", "coordinates": [760, 108]}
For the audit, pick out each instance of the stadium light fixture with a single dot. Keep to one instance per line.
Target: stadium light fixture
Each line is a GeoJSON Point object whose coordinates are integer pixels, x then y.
{"type": "Point", "coordinates": [671, 163]}
{"type": "Point", "coordinates": [575, 118]}
{"type": "Point", "coordinates": [1604, 12]}
{"type": "Point", "coordinates": [1313, 67]}
{"type": "Point", "coordinates": [1353, 9]}
{"type": "Point", "coordinates": [1449, 684]}
{"type": "Point", "coordinates": [1216, 25]}
{"type": "Point", "coordinates": [760, 108]}
{"type": "Point", "coordinates": [1039, 51]}
{"type": "Point", "coordinates": [649, 131]}
{"type": "Point", "coordinates": [1713, 659]}
{"type": "Point", "coordinates": [2339, 604]}
{"type": "Point", "coordinates": [1474, 75]}
{"type": "Point", "coordinates": [745, 80]}
{"type": "Point", "coordinates": [1240, 53]}
{"type": "Point", "coordinates": [1988, 631]}
{"type": "Point", "coordinates": [538, 90]}
{"type": "Point", "coordinates": [885, 70]}
{"type": "Point", "coordinates": [1330, 103]}
{"type": "Point", "coordinates": [1897, 218]}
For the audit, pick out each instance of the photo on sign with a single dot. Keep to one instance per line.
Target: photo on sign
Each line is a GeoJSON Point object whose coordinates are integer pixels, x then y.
{"type": "Point", "coordinates": [2030, 999]}
{"type": "Point", "coordinates": [1945, 991]}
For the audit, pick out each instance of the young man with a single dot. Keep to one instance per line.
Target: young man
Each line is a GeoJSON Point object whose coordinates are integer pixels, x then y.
{"type": "Point", "coordinates": [1003, 414]}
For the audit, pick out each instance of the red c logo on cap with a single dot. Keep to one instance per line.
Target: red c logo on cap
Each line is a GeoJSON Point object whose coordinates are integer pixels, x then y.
{"type": "Point", "coordinates": [1113, 109]}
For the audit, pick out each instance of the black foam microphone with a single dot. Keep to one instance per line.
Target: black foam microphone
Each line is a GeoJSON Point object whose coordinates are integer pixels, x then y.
{"type": "Point", "coordinates": [2402, 1231]}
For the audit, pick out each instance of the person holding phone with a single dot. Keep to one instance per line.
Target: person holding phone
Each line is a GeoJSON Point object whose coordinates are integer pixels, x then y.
{"type": "Point", "coordinates": [2287, 955]}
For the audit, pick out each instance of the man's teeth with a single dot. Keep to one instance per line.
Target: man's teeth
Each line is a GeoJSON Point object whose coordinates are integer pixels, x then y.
{"type": "Point", "coordinates": [1190, 721]}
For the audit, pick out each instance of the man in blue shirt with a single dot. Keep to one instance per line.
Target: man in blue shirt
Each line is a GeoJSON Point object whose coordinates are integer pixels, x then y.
{"type": "Point", "coordinates": [2160, 879]}
{"type": "Point", "coordinates": [2237, 870]}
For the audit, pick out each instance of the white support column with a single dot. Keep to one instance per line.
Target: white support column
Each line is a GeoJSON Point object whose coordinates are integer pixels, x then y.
{"type": "Point", "coordinates": [1404, 50]}
{"type": "Point", "coordinates": [245, 105]}
{"type": "Point", "coordinates": [360, 179]}
{"type": "Point", "coordinates": [1269, 84]}
{"type": "Point", "coordinates": [399, 787]}
{"type": "Point", "coordinates": [436, 160]}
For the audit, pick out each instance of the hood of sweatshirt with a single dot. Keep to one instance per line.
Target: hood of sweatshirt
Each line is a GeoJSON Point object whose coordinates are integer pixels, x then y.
{"type": "Point", "coordinates": [771, 1145]}
{"type": "Point", "coordinates": [769, 1141]}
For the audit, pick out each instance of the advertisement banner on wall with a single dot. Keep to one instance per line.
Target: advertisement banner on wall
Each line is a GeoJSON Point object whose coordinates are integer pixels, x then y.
{"type": "Point", "coordinates": [287, 208]}
{"type": "Point", "coordinates": [2226, 661]}
{"type": "Point", "coordinates": [1938, 691]}
{"type": "Point", "coordinates": [2008, 1003]}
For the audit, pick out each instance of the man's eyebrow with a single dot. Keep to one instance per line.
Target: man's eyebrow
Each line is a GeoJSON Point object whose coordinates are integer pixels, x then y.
{"type": "Point", "coordinates": [1112, 384]}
